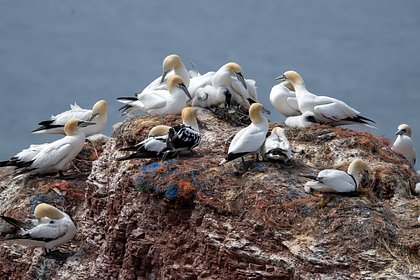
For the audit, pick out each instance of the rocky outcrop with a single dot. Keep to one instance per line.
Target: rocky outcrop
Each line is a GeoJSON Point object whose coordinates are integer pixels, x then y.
{"type": "Point", "coordinates": [188, 218]}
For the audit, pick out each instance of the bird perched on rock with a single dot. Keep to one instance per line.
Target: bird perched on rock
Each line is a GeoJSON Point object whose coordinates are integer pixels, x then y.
{"type": "Point", "coordinates": [151, 147]}
{"type": "Point", "coordinates": [283, 98]}
{"type": "Point", "coordinates": [404, 144]}
{"type": "Point", "coordinates": [184, 137]}
{"type": "Point", "coordinates": [301, 121]}
{"type": "Point", "coordinates": [276, 146]}
{"type": "Point", "coordinates": [98, 115]}
{"type": "Point", "coordinates": [159, 102]}
{"type": "Point", "coordinates": [51, 157]}
{"type": "Point", "coordinates": [250, 138]}
{"type": "Point", "coordinates": [51, 228]}
{"type": "Point", "coordinates": [327, 110]}
{"type": "Point", "coordinates": [333, 180]}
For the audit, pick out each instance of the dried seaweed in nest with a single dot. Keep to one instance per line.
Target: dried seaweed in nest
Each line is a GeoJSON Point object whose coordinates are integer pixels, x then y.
{"type": "Point", "coordinates": [236, 116]}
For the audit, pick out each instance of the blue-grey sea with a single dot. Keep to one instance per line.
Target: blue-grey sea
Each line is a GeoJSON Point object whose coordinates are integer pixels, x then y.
{"type": "Point", "coordinates": [54, 52]}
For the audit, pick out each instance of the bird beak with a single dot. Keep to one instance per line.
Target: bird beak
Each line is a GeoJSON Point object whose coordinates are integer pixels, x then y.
{"type": "Point", "coordinates": [281, 78]}
{"type": "Point", "coordinates": [184, 88]}
{"type": "Point", "coordinates": [265, 111]}
{"type": "Point", "coordinates": [93, 116]}
{"type": "Point", "coordinates": [400, 132]}
{"type": "Point", "coordinates": [163, 76]}
{"type": "Point", "coordinates": [241, 79]}
{"type": "Point", "coordinates": [84, 124]}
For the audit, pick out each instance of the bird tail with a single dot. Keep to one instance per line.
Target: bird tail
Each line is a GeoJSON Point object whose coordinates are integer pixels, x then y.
{"type": "Point", "coordinates": [14, 222]}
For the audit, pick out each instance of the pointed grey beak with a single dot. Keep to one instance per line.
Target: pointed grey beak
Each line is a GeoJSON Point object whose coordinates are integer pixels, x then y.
{"type": "Point", "coordinates": [93, 116]}
{"type": "Point", "coordinates": [241, 79]}
{"type": "Point", "coordinates": [281, 78]}
{"type": "Point", "coordinates": [164, 76]}
{"type": "Point", "coordinates": [84, 123]}
{"type": "Point", "coordinates": [400, 132]}
{"type": "Point", "coordinates": [266, 111]}
{"type": "Point", "coordinates": [184, 88]}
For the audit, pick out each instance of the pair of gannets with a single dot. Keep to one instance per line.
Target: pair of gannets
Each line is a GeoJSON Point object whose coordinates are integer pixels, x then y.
{"type": "Point", "coordinates": [404, 144]}
{"type": "Point", "coordinates": [51, 157]}
{"type": "Point", "coordinates": [333, 180]}
{"type": "Point", "coordinates": [251, 138]}
{"type": "Point", "coordinates": [161, 101]}
{"type": "Point", "coordinates": [326, 110]}
{"type": "Point", "coordinates": [97, 115]}
{"type": "Point", "coordinates": [51, 228]}
{"type": "Point", "coordinates": [167, 142]}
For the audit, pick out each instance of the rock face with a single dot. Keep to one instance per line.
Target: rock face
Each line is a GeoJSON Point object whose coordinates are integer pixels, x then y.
{"type": "Point", "coordinates": [189, 218]}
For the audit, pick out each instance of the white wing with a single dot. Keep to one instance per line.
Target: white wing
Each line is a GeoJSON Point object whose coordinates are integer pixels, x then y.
{"type": "Point", "coordinates": [51, 155]}
{"type": "Point", "coordinates": [151, 100]}
{"type": "Point", "coordinates": [78, 114]}
{"type": "Point", "coordinates": [334, 109]}
{"type": "Point", "coordinates": [248, 139]}
{"type": "Point", "coordinates": [50, 230]}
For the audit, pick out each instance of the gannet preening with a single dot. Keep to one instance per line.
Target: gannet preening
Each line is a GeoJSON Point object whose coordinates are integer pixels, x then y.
{"type": "Point", "coordinates": [250, 138]}
{"type": "Point", "coordinates": [327, 110]}
{"type": "Point", "coordinates": [276, 146]}
{"type": "Point", "coordinates": [230, 76]}
{"type": "Point", "coordinates": [305, 120]}
{"type": "Point", "coordinates": [152, 147]}
{"type": "Point", "coordinates": [404, 144]}
{"type": "Point", "coordinates": [51, 157]}
{"type": "Point", "coordinates": [333, 180]}
{"type": "Point", "coordinates": [210, 96]}
{"type": "Point", "coordinates": [98, 115]}
{"type": "Point", "coordinates": [51, 229]}
{"type": "Point", "coordinates": [184, 137]}
{"type": "Point", "coordinates": [283, 98]}
{"type": "Point", "coordinates": [160, 102]}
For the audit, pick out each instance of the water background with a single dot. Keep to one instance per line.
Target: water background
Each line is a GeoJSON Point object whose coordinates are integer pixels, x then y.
{"type": "Point", "coordinates": [53, 53]}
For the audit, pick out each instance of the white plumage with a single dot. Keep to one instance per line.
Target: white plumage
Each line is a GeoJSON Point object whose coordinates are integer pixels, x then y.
{"type": "Point", "coordinates": [52, 228]}
{"type": "Point", "coordinates": [250, 138]}
{"type": "Point", "coordinates": [98, 115]}
{"type": "Point", "coordinates": [51, 157]}
{"type": "Point", "coordinates": [276, 146]}
{"type": "Point", "coordinates": [305, 120]}
{"type": "Point", "coordinates": [404, 144]}
{"type": "Point", "coordinates": [333, 180]}
{"type": "Point", "coordinates": [327, 110]}
{"type": "Point", "coordinates": [210, 96]}
{"type": "Point", "coordinates": [283, 98]}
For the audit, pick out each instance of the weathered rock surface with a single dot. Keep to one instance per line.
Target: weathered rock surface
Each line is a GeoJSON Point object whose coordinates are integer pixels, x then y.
{"type": "Point", "coordinates": [189, 218]}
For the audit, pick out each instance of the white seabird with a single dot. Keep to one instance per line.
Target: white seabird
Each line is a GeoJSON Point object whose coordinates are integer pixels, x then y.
{"type": "Point", "coordinates": [184, 137]}
{"type": "Point", "coordinates": [333, 180]}
{"type": "Point", "coordinates": [151, 147]}
{"type": "Point", "coordinates": [210, 96]}
{"type": "Point", "coordinates": [230, 76]}
{"type": "Point", "coordinates": [250, 138]}
{"type": "Point", "coordinates": [327, 110]}
{"type": "Point", "coordinates": [98, 115]}
{"type": "Point", "coordinates": [305, 120]}
{"type": "Point", "coordinates": [161, 102]}
{"type": "Point", "coordinates": [276, 146]}
{"type": "Point", "coordinates": [404, 144]}
{"type": "Point", "coordinates": [51, 229]}
{"type": "Point", "coordinates": [283, 98]}
{"type": "Point", "coordinates": [51, 157]}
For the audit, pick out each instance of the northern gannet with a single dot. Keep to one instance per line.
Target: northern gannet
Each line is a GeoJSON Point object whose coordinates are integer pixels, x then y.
{"type": "Point", "coordinates": [184, 137]}
{"type": "Point", "coordinates": [283, 98]}
{"type": "Point", "coordinates": [333, 180]}
{"type": "Point", "coordinates": [276, 146]}
{"type": "Point", "coordinates": [250, 138]}
{"type": "Point", "coordinates": [160, 102]}
{"type": "Point", "coordinates": [230, 76]}
{"type": "Point", "coordinates": [51, 157]}
{"type": "Point", "coordinates": [301, 121]}
{"type": "Point", "coordinates": [210, 96]}
{"type": "Point", "coordinates": [327, 110]}
{"type": "Point", "coordinates": [151, 147]}
{"type": "Point", "coordinates": [98, 115]}
{"type": "Point", "coordinates": [51, 228]}
{"type": "Point", "coordinates": [404, 144]}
